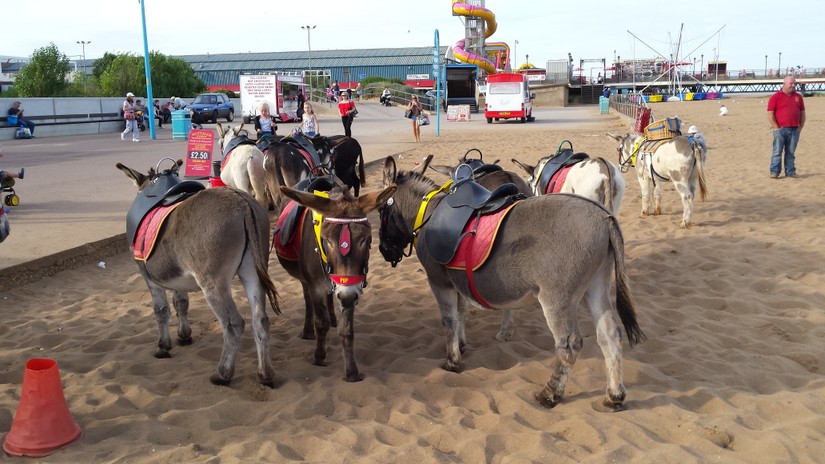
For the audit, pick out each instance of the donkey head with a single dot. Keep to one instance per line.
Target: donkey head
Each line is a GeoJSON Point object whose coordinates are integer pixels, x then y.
{"type": "Point", "coordinates": [394, 232]}
{"type": "Point", "coordinates": [626, 149]}
{"type": "Point", "coordinates": [346, 236]}
{"type": "Point", "coordinates": [144, 180]}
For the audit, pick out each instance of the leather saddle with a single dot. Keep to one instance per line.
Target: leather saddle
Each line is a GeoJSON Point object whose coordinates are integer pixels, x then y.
{"type": "Point", "coordinates": [465, 200]}
{"type": "Point", "coordinates": [264, 143]}
{"type": "Point", "coordinates": [561, 160]}
{"type": "Point", "coordinates": [164, 189]}
{"type": "Point", "coordinates": [303, 144]}
{"type": "Point", "coordinates": [292, 216]}
{"type": "Point", "coordinates": [236, 142]}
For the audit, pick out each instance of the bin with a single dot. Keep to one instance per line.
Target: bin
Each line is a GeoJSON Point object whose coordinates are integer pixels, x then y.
{"type": "Point", "coordinates": [181, 124]}
{"type": "Point", "coordinates": [604, 105]}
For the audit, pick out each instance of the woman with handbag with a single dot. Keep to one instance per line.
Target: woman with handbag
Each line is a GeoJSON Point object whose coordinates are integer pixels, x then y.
{"type": "Point", "coordinates": [414, 110]}
{"type": "Point", "coordinates": [129, 115]}
{"type": "Point", "coordinates": [346, 109]}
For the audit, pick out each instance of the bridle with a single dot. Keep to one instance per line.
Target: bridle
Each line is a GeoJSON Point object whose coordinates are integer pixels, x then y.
{"type": "Point", "coordinates": [344, 247]}
{"type": "Point", "coordinates": [411, 239]}
{"type": "Point", "coordinates": [626, 164]}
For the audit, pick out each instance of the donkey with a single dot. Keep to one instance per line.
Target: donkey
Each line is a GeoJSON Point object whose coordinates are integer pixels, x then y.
{"type": "Point", "coordinates": [559, 248]}
{"type": "Point", "coordinates": [593, 178]}
{"type": "Point", "coordinates": [205, 241]}
{"type": "Point", "coordinates": [337, 265]}
{"type": "Point", "coordinates": [242, 165]}
{"type": "Point", "coordinates": [346, 157]}
{"type": "Point", "coordinates": [290, 160]}
{"type": "Point", "coordinates": [676, 160]}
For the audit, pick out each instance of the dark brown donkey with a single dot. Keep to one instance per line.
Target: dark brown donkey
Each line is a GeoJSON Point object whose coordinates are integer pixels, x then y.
{"type": "Point", "coordinates": [205, 241]}
{"type": "Point", "coordinates": [337, 266]}
{"type": "Point", "coordinates": [560, 248]}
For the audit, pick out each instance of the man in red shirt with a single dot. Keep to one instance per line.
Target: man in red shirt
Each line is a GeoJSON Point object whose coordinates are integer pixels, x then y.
{"type": "Point", "coordinates": [786, 113]}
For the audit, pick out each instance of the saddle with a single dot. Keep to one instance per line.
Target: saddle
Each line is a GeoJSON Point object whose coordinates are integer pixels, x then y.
{"type": "Point", "coordinates": [163, 190]}
{"type": "Point", "coordinates": [562, 159]}
{"type": "Point", "coordinates": [236, 142]}
{"type": "Point", "coordinates": [466, 199]}
{"type": "Point", "coordinates": [286, 237]}
{"type": "Point", "coordinates": [264, 143]}
{"type": "Point", "coordinates": [305, 147]}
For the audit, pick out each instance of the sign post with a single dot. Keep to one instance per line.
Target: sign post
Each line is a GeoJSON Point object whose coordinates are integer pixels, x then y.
{"type": "Point", "coordinates": [437, 77]}
{"type": "Point", "coordinates": [199, 153]}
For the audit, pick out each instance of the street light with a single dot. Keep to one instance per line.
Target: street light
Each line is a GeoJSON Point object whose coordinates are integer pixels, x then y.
{"type": "Point", "coordinates": [309, 57]}
{"type": "Point", "coordinates": [83, 45]}
{"type": "Point", "coordinates": [779, 67]}
{"type": "Point", "coordinates": [515, 53]}
{"type": "Point", "coordinates": [766, 65]}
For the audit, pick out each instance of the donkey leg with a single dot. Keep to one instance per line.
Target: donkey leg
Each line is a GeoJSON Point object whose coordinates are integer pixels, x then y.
{"type": "Point", "coordinates": [219, 298]}
{"type": "Point", "coordinates": [308, 332]}
{"type": "Point", "coordinates": [260, 320]}
{"type": "Point", "coordinates": [461, 309]}
{"type": "Point", "coordinates": [559, 312]}
{"type": "Point", "coordinates": [346, 332]}
{"type": "Point", "coordinates": [687, 203]}
{"type": "Point", "coordinates": [180, 300]}
{"type": "Point", "coordinates": [608, 336]}
{"type": "Point", "coordinates": [644, 185]}
{"type": "Point", "coordinates": [447, 304]}
{"type": "Point", "coordinates": [657, 198]}
{"type": "Point", "coordinates": [321, 323]}
{"type": "Point", "coordinates": [160, 305]}
{"type": "Point", "coordinates": [505, 332]}
{"type": "Point", "coordinates": [333, 319]}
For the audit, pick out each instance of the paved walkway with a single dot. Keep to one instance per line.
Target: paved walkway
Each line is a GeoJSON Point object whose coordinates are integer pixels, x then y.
{"type": "Point", "coordinates": [73, 200]}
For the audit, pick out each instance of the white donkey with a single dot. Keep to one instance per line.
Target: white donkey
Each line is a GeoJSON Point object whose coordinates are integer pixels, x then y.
{"type": "Point", "coordinates": [676, 160]}
{"type": "Point", "coordinates": [243, 163]}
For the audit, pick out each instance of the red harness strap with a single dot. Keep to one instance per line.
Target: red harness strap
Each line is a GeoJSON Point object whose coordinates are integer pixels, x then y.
{"type": "Point", "coordinates": [554, 186]}
{"type": "Point", "coordinates": [226, 159]}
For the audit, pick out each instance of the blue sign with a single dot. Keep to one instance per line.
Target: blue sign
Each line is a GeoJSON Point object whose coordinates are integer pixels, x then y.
{"type": "Point", "coordinates": [362, 76]}
{"type": "Point", "coordinates": [436, 69]}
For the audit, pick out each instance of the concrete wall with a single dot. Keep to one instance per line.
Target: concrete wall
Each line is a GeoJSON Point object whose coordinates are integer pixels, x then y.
{"type": "Point", "coordinates": [550, 95]}
{"type": "Point", "coordinates": [102, 115]}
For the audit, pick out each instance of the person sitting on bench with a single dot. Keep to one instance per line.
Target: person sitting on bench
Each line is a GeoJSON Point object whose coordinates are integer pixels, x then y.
{"type": "Point", "coordinates": [21, 121]}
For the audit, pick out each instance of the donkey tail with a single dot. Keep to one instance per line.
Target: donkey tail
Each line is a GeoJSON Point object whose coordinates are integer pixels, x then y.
{"type": "Point", "coordinates": [624, 299]}
{"type": "Point", "coordinates": [608, 186]}
{"type": "Point", "coordinates": [699, 156]}
{"type": "Point", "coordinates": [361, 167]}
{"type": "Point", "coordinates": [254, 223]}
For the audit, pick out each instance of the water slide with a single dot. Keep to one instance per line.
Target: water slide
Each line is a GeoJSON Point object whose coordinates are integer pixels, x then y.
{"type": "Point", "coordinates": [472, 11]}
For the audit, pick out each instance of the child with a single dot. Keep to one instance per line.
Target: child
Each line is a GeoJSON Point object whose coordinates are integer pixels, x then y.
{"type": "Point", "coordinates": [309, 122]}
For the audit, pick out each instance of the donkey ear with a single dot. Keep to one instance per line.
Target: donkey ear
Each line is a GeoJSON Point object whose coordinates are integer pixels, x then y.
{"type": "Point", "coordinates": [442, 169]}
{"type": "Point", "coordinates": [422, 168]}
{"type": "Point", "coordinates": [220, 129]}
{"type": "Point", "coordinates": [137, 177]}
{"type": "Point", "coordinates": [524, 166]}
{"type": "Point", "coordinates": [373, 200]}
{"type": "Point", "coordinates": [314, 202]}
{"type": "Point", "coordinates": [390, 171]}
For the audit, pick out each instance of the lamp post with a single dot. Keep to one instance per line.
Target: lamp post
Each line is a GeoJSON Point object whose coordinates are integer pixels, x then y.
{"type": "Point", "coordinates": [766, 65]}
{"type": "Point", "coordinates": [779, 67]}
{"type": "Point", "coordinates": [309, 57]}
{"type": "Point", "coordinates": [515, 54]}
{"type": "Point", "coordinates": [83, 46]}
{"type": "Point", "coordinates": [702, 66]}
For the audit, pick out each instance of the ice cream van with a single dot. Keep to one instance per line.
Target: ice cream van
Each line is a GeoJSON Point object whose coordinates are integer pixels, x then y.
{"type": "Point", "coordinates": [508, 96]}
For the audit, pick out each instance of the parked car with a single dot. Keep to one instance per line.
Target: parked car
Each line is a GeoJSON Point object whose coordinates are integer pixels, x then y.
{"type": "Point", "coordinates": [210, 107]}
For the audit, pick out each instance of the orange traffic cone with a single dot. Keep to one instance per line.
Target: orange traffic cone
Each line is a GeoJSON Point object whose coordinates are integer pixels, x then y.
{"type": "Point", "coordinates": [43, 422]}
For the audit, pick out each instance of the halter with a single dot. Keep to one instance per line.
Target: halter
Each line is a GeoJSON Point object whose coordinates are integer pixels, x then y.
{"type": "Point", "coordinates": [625, 165]}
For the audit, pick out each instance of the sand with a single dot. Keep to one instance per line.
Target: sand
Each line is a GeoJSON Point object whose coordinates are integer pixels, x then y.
{"type": "Point", "coordinates": [732, 370]}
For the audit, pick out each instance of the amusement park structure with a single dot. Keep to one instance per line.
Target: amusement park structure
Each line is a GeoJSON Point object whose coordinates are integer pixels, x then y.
{"type": "Point", "coordinates": [479, 24]}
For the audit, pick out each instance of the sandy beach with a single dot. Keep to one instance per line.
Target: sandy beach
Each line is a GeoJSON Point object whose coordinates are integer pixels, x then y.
{"type": "Point", "coordinates": [732, 370]}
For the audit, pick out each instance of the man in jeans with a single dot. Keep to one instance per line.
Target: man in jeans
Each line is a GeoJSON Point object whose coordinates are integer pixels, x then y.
{"type": "Point", "coordinates": [15, 110]}
{"type": "Point", "coordinates": [786, 113]}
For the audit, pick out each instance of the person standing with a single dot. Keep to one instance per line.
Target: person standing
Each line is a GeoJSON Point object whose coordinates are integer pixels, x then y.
{"type": "Point", "coordinates": [129, 117]}
{"type": "Point", "coordinates": [414, 107]}
{"type": "Point", "coordinates": [359, 91]}
{"type": "Point", "coordinates": [15, 110]}
{"type": "Point", "coordinates": [300, 111]}
{"type": "Point", "coordinates": [309, 123]}
{"type": "Point", "coordinates": [346, 109]}
{"type": "Point", "coordinates": [336, 90]}
{"type": "Point", "coordinates": [786, 113]}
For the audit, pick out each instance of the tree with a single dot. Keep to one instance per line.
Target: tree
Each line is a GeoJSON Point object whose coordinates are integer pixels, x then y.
{"type": "Point", "coordinates": [102, 64]}
{"type": "Point", "coordinates": [45, 75]}
{"type": "Point", "coordinates": [126, 73]}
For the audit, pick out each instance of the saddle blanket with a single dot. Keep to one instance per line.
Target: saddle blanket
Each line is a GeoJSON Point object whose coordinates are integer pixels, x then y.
{"type": "Point", "coordinates": [286, 239]}
{"type": "Point", "coordinates": [558, 179]}
{"type": "Point", "coordinates": [147, 232]}
{"type": "Point", "coordinates": [475, 247]}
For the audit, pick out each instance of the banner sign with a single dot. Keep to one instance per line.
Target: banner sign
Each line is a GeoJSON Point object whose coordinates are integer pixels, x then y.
{"type": "Point", "coordinates": [199, 153]}
{"type": "Point", "coordinates": [458, 113]}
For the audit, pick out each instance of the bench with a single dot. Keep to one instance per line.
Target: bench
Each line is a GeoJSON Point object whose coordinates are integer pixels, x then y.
{"type": "Point", "coordinates": [63, 124]}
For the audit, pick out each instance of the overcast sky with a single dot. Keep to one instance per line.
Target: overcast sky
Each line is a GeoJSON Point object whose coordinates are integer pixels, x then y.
{"type": "Point", "coordinates": [544, 29]}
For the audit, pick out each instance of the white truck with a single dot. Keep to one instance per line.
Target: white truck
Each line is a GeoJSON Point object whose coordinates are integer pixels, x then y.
{"type": "Point", "coordinates": [269, 88]}
{"type": "Point", "coordinates": [508, 96]}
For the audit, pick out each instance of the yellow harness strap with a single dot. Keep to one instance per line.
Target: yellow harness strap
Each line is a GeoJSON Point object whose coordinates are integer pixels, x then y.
{"type": "Point", "coordinates": [636, 147]}
{"type": "Point", "coordinates": [317, 220]}
{"type": "Point", "coordinates": [419, 218]}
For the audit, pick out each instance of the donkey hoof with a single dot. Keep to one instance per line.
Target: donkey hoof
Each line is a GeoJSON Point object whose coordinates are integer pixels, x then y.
{"type": "Point", "coordinates": [308, 335]}
{"type": "Point", "coordinates": [549, 401]}
{"type": "Point", "coordinates": [356, 377]}
{"type": "Point", "coordinates": [185, 341]}
{"type": "Point", "coordinates": [319, 362]}
{"type": "Point", "coordinates": [163, 354]}
{"type": "Point", "coordinates": [607, 405]}
{"type": "Point", "coordinates": [219, 381]}
{"type": "Point", "coordinates": [265, 381]}
{"type": "Point", "coordinates": [451, 366]}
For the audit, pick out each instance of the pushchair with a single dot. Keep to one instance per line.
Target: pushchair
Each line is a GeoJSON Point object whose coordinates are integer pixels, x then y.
{"type": "Point", "coordinates": [141, 120]}
{"type": "Point", "coordinates": [10, 197]}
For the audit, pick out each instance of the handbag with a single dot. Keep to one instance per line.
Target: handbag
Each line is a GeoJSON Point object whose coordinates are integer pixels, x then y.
{"type": "Point", "coordinates": [129, 115]}
{"type": "Point", "coordinates": [408, 114]}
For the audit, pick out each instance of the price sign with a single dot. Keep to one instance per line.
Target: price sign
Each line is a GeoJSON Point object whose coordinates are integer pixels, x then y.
{"type": "Point", "coordinates": [199, 153]}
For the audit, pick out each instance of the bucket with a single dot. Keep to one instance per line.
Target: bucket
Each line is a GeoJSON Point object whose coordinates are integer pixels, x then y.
{"type": "Point", "coordinates": [216, 182]}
